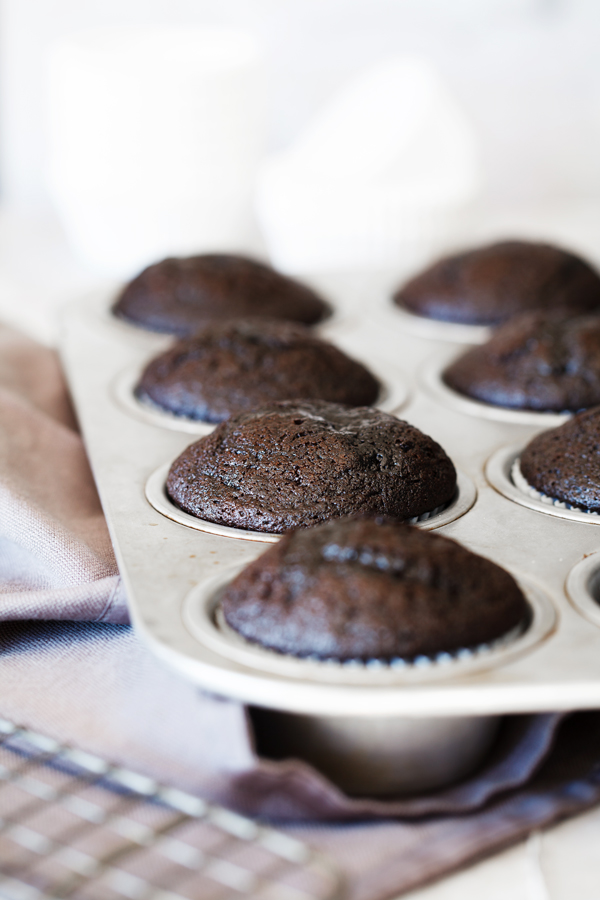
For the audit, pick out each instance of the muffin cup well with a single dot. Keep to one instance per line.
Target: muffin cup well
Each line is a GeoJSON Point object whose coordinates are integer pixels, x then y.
{"type": "Point", "coordinates": [436, 664]}
{"type": "Point", "coordinates": [202, 617]}
{"type": "Point", "coordinates": [158, 498]}
{"type": "Point", "coordinates": [123, 391]}
{"type": "Point", "coordinates": [437, 329]}
{"type": "Point", "coordinates": [583, 587]}
{"type": "Point", "coordinates": [431, 380]}
{"type": "Point", "coordinates": [382, 757]}
{"type": "Point", "coordinates": [503, 472]}
{"type": "Point", "coordinates": [394, 394]}
{"type": "Point", "coordinates": [98, 310]}
{"type": "Point", "coordinates": [366, 754]}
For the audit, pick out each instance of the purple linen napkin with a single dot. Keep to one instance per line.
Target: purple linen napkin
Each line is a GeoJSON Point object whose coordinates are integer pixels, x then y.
{"type": "Point", "coordinates": [56, 560]}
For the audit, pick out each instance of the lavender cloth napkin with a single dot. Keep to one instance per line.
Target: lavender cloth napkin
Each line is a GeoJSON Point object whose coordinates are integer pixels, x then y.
{"type": "Point", "coordinates": [95, 685]}
{"type": "Point", "coordinates": [56, 560]}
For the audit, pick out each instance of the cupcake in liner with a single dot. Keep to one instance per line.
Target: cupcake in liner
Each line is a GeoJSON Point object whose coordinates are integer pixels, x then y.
{"type": "Point", "coordinates": [491, 284]}
{"type": "Point", "coordinates": [373, 593]}
{"type": "Point", "coordinates": [562, 465]}
{"type": "Point", "coordinates": [440, 662]}
{"type": "Point", "coordinates": [539, 361]}
{"type": "Point", "coordinates": [232, 366]}
{"type": "Point", "coordinates": [179, 295]}
{"type": "Point", "coordinates": [523, 485]}
{"type": "Point", "coordinates": [298, 463]}
{"type": "Point", "coordinates": [459, 504]}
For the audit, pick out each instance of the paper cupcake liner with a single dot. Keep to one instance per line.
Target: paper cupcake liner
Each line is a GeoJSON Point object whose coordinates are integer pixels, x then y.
{"type": "Point", "coordinates": [428, 515]}
{"type": "Point", "coordinates": [421, 661]}
{"type": "Point", "coordinates": [123, 392]}
{"type": "Point", "coordinates": [520, 482]}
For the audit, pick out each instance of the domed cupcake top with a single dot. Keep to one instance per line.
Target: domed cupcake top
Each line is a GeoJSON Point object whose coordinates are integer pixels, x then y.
{"type": "Point", "coordinates": [233, 366]}
{"type": "Point", "coordinates": [302, 462]}
{"type": "Point", "coordinates": [178, 295]}
{"type": "Point", "coordinates": [370, 589]}
{"type": "Point", "coordinates": [538, 361]}
{"type": "Point", "coordinates": [492, 283]}
{"type": "Point", "coordinates": [564, 462]}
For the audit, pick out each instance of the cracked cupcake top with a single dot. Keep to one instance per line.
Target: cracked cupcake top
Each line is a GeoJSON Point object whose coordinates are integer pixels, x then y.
{"type": "Point", "coordinates": [302, 462]}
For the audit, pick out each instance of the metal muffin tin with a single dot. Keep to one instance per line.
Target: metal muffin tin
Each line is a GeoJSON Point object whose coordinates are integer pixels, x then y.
{"type": "Point", "coordinates": [168, 567]}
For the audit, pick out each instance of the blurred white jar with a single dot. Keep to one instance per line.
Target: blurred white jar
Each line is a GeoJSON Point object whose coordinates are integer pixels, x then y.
{"type": "Point", "coordinates": [383, 178]}
{"type": "Point", "coordinates": [155, 138]}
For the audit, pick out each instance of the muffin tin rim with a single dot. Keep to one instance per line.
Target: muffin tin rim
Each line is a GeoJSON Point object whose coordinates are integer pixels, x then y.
{"type": "Point", "coordinates": [430, 379]}
{"type": "Point", "coordinates": [438, 329]}
{"type": "Point", "coordinates": [578, 587]}
{"type": "Point", "coordinates": [157, 498]}
{"type": "Point", "coordinates": [199, 604]}
{"type": "Point", "coordinates": [395, 384]}
{"type": "Point", "coordinates": [497, 472]}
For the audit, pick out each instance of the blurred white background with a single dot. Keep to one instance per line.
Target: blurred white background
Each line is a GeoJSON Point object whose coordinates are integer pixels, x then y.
{"type": "Point", "coordinates": [525, 72]}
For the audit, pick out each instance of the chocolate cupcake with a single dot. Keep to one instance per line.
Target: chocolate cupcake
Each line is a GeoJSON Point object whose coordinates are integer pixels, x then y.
{"type": "Point", "coordinates": [177, 296]}
{"type": "Point", "coordinates": [564, 462]}
{"type": "Point", "coordinates": [537, 361]}
{"type": "Point", "coordinates": [231, 367]}
{"type": "Point", "coordinates": [369, 589]}
{"type": "Point", "coordinates": [302, 462]}
{"type": "Point", "coordinates": [489, 285]}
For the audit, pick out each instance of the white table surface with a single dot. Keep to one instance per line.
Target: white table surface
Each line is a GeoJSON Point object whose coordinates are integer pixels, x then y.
{"type": "Point", "coordinates": [38, 275]}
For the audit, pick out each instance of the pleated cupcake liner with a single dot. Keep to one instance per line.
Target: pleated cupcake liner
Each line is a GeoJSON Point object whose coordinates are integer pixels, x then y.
{"type": "Point", "coordinates": [442, 660]}
{"type": "Point", "coordinates": [523, 485]}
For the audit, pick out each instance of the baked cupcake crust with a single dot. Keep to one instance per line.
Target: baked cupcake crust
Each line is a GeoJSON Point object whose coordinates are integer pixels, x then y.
{"type": "Point", "coordinates": [492, 283]}
{"type": "Point", "coordinates": [537, 361]}
{"type": "Point", "coordinates": [363, 589]}
{"type": "Point", "coordinates": [179, 295]}
{"type": "Point", "coordinates": [235, 366]}
{"type": "Point", "coordinates": [298, 463]}
{"type": "Point", "coordinates": [564, 462]}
